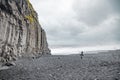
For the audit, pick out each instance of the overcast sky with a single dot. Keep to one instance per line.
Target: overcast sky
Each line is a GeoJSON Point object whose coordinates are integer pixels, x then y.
{"type": "Point", "coordinates": [79, 22]}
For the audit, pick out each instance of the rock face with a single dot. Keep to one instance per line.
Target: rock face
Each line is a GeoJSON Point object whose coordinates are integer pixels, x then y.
{"type": "Point", "coordinates": [20, 32]}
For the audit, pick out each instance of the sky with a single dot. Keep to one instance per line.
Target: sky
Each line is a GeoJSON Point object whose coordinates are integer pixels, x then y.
{"type": "Point", "coordinates": [79, 23]}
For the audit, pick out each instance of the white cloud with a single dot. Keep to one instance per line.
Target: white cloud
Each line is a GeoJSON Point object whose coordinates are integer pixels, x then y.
{"type": "Point", "coordinates": [79, 22]}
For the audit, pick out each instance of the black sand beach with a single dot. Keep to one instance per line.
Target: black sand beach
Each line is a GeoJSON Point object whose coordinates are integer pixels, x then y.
{"type": "Point", "coordinates": [102, 66]}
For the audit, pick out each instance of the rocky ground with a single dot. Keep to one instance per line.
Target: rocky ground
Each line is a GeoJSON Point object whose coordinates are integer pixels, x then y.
{"type": "Point", "coordinates": [102, 66]}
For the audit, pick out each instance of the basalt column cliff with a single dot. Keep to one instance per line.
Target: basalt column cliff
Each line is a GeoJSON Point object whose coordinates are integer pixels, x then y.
{"type": "Point", "coordinates": [20, 32]}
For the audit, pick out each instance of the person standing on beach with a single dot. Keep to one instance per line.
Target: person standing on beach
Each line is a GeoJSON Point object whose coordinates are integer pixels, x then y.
{"type": "Point", "coordinates": [81, 54]}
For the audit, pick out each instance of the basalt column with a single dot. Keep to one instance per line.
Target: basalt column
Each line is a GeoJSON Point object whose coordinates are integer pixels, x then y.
{"type": "Point", "coordinates": [21, 35]}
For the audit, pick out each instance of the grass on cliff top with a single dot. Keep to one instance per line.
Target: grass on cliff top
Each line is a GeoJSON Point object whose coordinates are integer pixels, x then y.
{"type": "Point", "coordinates": [31, 16]}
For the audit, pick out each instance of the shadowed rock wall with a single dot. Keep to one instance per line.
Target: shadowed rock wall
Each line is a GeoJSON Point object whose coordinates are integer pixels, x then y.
{"type": "Point", "coordinates": [20, 31]}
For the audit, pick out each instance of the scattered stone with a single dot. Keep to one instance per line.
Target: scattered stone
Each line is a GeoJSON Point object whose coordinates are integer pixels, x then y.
{"type": "Point", "coordinates": [4, 67]}
{"type": "Point", "coordinates": [119, 73]}
{"type": "Point", "coordinates": [58, 57]}
{"type": "Point", "coordinates": [9, 64]}
{"type": "Point", "coordinates": [96, 79]}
